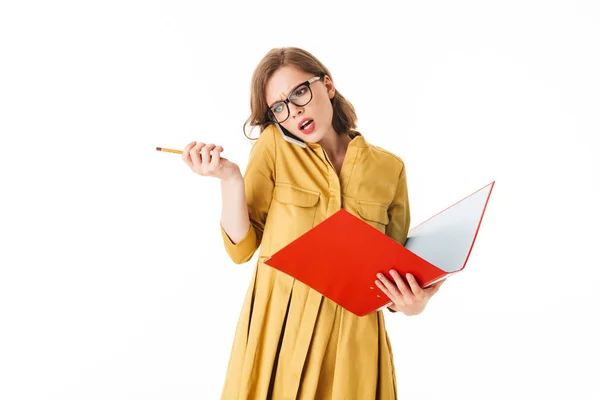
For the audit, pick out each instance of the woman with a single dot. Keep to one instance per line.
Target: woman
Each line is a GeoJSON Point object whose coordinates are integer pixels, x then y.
{"type": "Point", "coordinates": [308, 162]}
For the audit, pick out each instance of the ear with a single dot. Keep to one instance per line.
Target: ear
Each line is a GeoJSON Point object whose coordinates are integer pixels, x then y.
{"type": "Point", "coordinates": [329, 86]}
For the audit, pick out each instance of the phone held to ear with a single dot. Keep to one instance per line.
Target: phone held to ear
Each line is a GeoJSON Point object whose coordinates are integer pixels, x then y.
{"type": "Point", "coordinates": [289, 137]}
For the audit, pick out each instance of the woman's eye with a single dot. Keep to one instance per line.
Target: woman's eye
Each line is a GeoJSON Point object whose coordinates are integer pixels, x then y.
{"type": "Point", "coordinates": [278, 109]}
{"type": "Point", "coordinates": [300, 92]}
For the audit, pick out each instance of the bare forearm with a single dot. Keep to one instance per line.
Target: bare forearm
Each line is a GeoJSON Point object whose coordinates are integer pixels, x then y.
{"type": "Point", "coordinates": [234, 211]}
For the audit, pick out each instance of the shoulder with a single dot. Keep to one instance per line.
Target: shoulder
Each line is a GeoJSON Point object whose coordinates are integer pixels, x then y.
{"type": "Point", "coordinates": [271, 140]}
{"type": "Point", "coordinates": [388, 155]}
{"type": "Point", "coordinates": [265, 142]}
{"type": "Point", "coordinates": [384, 158]}
{"type": "Point", "coordinates": [266, 137]}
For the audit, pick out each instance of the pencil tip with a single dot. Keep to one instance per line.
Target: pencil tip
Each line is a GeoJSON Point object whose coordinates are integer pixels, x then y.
{"type": "Point", "coordinates": [158, 149]}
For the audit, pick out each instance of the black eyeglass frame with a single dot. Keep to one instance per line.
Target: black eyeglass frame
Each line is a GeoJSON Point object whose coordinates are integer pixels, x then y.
{"type": "Point", "coordinates": [271, 116]}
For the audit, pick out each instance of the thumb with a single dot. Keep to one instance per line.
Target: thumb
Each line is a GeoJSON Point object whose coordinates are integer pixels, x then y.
{"type": "Point", "coordinates": [436, 286]}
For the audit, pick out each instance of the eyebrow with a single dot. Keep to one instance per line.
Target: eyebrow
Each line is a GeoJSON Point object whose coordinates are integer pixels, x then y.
{"type": "Point", "coordinates": [275, 102]}
{"type": "Point", "coordinates": [279, 101]}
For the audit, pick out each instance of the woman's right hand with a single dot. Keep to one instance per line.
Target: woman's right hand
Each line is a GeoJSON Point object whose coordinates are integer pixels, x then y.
{"type": "Point", "coordinates": [198, 157]}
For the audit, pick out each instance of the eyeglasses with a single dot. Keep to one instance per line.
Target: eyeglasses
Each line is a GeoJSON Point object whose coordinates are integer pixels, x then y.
{"type": "Point", "coordinates": [299, 96]}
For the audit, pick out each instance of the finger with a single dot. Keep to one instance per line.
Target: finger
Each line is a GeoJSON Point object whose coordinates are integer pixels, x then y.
{"type": "Point", "coordinates": [389, 285]}
{"type": "Point", "coordinates": [187, 147]}
{"type": "Point", "coordinates": [195, 154]}
{"type": "Point", "coordinates": [185, 155]}
{"type": "Point", "coordinates": [386, 291]}
{"type": "Point", "coordinates": [402, 286]}
{"type": "Point", "coordinates": [431, 290]}
{"type": "Point", "coordinates": [205, 152]}
{"type": "Point", "coordinates": [414, 285]}
{"type": "Point", "coordinates": [216, 157]}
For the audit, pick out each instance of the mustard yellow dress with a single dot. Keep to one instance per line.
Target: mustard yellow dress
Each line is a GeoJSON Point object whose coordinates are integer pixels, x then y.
{"type": "Point", "coordinates": [290, 341]}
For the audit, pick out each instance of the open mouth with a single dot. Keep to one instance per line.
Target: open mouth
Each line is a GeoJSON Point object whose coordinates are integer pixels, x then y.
{"type": "Point", "coordinates": [307, 126]}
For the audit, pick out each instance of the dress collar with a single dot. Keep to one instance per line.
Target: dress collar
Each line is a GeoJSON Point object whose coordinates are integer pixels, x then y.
{"type": "Point", "coordinates": [358, 140]}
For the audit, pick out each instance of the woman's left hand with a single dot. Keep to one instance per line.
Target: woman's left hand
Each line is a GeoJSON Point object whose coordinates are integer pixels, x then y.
{"type": "Point", "coordinates": [410, 298]}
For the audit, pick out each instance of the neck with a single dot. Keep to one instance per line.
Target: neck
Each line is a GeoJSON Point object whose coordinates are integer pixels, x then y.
{"type": "Point", "coordinates": [335, 145]}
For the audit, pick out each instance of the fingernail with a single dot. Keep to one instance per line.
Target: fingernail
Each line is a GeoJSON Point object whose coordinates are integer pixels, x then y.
{"type": "Point", "coordinates": [380, 275]}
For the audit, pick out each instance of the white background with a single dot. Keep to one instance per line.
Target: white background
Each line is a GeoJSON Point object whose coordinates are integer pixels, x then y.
{"type": "Point", "coordinates": [114, 283]}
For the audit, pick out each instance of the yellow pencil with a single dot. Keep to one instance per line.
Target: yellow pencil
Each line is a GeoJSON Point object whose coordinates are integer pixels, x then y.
{"type": "Point", "coordinates": [169, 150]}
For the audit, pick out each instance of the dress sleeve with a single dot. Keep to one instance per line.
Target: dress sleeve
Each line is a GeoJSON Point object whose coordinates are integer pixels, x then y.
{"type": "Point", "coordinates": [399, 213]}
{"type": "Point", "coordinates": [259, 181]}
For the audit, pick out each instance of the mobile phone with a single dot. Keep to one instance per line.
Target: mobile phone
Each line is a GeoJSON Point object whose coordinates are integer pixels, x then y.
{"type": "Point", "coordinates": [289, 137]}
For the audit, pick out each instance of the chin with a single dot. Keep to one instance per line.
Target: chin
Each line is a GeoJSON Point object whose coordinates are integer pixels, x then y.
{"type": "Point", "coordinates": [313, 137]}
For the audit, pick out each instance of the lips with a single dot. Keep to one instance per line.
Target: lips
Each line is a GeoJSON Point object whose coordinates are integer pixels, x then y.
{"type": "Point", "coordinates": [306, 126]}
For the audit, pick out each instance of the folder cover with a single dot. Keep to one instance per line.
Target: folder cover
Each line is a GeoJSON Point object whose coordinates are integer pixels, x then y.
{"type": "Point", "coordinates": [343, 267]}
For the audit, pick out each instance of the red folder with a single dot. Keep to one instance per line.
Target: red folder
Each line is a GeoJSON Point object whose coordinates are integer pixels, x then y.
{"type": "Point", "coordinates": [343, 267]}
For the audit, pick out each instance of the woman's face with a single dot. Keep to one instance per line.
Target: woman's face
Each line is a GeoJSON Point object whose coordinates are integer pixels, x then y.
{"type": "Point", "coordinates": [318, 110]}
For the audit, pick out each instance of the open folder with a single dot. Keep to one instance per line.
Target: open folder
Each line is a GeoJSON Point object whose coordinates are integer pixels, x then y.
{"type": "Point", "coordinates": [341, 256]}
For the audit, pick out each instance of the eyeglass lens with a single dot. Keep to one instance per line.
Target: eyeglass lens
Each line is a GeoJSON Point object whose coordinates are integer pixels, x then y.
{"type": "Point", "coordinates": [301, 96]}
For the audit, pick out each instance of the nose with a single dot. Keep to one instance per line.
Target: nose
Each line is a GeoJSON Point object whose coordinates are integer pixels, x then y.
{"type": "Point", "coordinates": [295, 110]}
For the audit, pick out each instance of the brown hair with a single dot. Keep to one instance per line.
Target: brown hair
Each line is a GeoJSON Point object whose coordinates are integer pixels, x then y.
{"type": "Point", "coordinates": [344, 115]}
